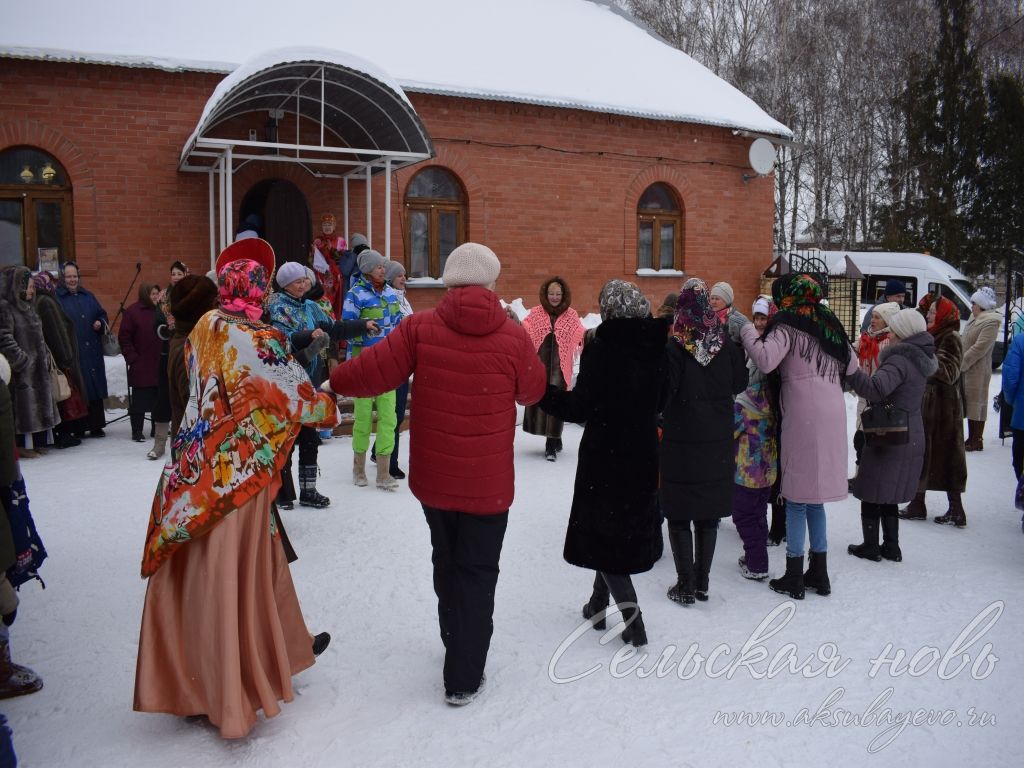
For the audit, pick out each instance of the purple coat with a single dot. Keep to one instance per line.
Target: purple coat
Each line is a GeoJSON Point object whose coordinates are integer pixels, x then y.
{"type": "Point", "coordinates": [140, 345]}
{"type": "Point", "coordinates": [813, 456]}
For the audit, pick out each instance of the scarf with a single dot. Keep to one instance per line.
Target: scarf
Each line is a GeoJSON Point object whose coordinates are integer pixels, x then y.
{"type": "Point", "coordinates": [44, 283]}
{"type": "Point", "coordinates": [947, 316]}
{"type": "Point", "coordinates": [822, 336]}
{"type": "Point", "coordinates": [696, 326]}
{"type": "Point", "coordinates": [869, 347]}
{"type": "Point", "coordinates": [242, 287]}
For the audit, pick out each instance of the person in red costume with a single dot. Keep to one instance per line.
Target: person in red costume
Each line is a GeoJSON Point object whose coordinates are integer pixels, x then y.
{"type": "Point", "coordinates": [327, 249]}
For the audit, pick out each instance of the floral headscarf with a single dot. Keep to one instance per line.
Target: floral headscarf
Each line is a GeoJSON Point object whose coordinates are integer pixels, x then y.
{"type": "Point", "coordinates": [696, 326]}
{"type": "Point", "coordinates": [44, 283]}
{"type": "Point", "coordinates": [242, 288]}
{"type": "Point", "coordinates": [622, 299]}
{"type": "Point", "coordinates": [947, 316]}
{"type": "Point", "coordinates": [798, 297]}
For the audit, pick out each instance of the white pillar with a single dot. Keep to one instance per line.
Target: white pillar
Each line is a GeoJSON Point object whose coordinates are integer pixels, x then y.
{"type": "Point", "coordinates": [387, 208]}
{"type": "Point", "coordinates": [369, 208]}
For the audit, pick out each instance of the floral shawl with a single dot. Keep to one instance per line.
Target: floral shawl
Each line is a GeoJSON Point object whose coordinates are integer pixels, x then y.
{"type": "Point", "coordinates": [697, 327]}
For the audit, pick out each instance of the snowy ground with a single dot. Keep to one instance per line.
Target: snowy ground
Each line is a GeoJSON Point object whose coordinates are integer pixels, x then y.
{"type": "Point", "coordinates": [375, 697]}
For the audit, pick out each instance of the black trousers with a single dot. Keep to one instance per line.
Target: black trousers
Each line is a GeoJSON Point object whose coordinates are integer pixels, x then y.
{"type": "Point", "coordinates": [308, 442]}
{"type": "Point", "coordinates": [466, 552]}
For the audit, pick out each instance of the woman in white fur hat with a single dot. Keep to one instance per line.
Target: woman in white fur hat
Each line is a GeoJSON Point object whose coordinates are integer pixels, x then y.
{"type": "Point", "coordinates": [979, 336]}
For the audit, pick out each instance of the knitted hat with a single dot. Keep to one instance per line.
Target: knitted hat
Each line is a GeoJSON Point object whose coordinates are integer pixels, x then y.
{"type": "Point", "coordinates": [886, 310]}
{"type": "Point", "coordinates": [894, 286]}
{"type": "Point", "coordinates": [907, 322]}
{"type": "Point", "coordinates": [369, 260]}
{"type": "Point", "coordinates": [289, 272]}
{"type": "Point", "coordinates": [359, 240]}
{"type": "Point", "coordinates": [191, 298]}
{"type": "Point", "coordinates": [722, 291]}
{"type": "Point", "coordinates": [393, 269]}
{"type": "Point", "coordinates": [471, 264]}
{"type": "Point", "coordinates": [621, 299]}
{"type": "Point", "coordinates": [985, 298]}
{"type": "Point", "coordinates": [762, 306]}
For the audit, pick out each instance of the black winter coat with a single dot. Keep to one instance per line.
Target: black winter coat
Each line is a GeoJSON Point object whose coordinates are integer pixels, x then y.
{"type": "Point", "coordinates": [614, 525]}
{"type": "Point", "coordinates": [698, 463]}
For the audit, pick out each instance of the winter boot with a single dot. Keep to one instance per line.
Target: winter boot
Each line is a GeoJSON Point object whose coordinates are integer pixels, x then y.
{"type": "Point", "coordinates": [359, 469]}
{"type": "Point", "coordinates": [816, 577]}
{"type": "Point", "coordinates": [777, 532]}
{"type": "Point", "coordinates": [161, 429]}
{"type": "Point", "coordinates": [558, 444]}
{"type": "Point", "coordinates": [550, 453]}
{"type": "Point", "coordinates": [955, 515]}
{"type": "Point", "coordinates": [308, 494]}
{"type": "Point", "coordinates": [15, 680]}
{"type": "Point", "coordinates": [705, 539]}
{"type": "Point", "coordinates": [635, 633]}
{"type": "Point", "coordinates": [890, 548]}
{"type": "Point", "coordinates": [320, 643]}
{"type": "Point", "coordinates": [681, 540]}
{"type": "Point", "coordinates": [869, 549]}
{"type": "Point", "coordinates": [974, 441]}
{"type": "Point", "coordinates": [622, 589]}
{"type": "Point", "coordinates": [746, 573]}
{"type": "Point", "coordinates": [792, 583]}
{"type": "Point", "coordinates": [138, 421]}
{"type": "Point", "coordinates": [384, 479]}
{"type": "Point", "coordinates": [598, 602]}
{"type": "Point", "coordinates": [915, 510]}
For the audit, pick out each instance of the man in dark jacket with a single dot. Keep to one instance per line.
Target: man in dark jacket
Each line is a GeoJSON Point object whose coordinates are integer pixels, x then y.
{"type": "Point", "coordinates": [469, 359]}
{"type": "Point", "coordinates": [895, 290]}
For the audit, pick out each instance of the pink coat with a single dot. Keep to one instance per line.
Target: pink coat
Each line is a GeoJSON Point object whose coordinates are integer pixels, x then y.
{"type": "Point", "coordinates": [813, 458]}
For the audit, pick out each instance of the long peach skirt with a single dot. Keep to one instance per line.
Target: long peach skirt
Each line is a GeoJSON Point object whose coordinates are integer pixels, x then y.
{"type": "Point", "coordinates": [222, 631]}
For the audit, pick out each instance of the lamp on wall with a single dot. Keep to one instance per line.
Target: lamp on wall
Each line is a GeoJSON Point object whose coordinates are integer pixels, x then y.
{"type": "Point", "coordinates": [48, 174]}
{"type": "Point", "coordinates": [26, 175]}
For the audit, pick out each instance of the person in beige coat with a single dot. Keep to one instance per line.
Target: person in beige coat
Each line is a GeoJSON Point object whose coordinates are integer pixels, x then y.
{"type": "Point", "coordinates": [979, 336]}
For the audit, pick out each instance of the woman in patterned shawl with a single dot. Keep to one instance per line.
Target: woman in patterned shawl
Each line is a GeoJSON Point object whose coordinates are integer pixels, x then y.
{"type": "Point", "coordinates": [222, 630]}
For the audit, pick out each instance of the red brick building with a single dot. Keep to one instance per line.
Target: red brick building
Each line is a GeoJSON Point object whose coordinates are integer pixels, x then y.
{"type": "Point", "coordinates": [589, 187]}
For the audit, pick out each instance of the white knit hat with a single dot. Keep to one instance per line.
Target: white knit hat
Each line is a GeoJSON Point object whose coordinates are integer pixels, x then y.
{"type": "Point", "coordinates": [289, 272]}
{"type": "Point", "coordinates": [985, 298]}
{"type": "Point", "coordinates": [471, 264]}
{"type": "Point", "coordinates": [907, 322]}
{"type": "Point", "coordinates": [762, 306]}
{"type": "Point", "coordinates": [886, 310]}
{"type": "Point", "coordinates": [722, 291]}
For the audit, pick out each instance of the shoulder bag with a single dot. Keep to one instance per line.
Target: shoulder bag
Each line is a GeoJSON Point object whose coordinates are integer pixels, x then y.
{"type": "Point", "coordinates": [884, 424]}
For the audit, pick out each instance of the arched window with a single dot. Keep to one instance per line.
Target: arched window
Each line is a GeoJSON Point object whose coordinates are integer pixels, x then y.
{"type": "Point", "coordinates": [659, 229]}
{"type": "Point", "coordinates": [435, 220]}
{"type": "Point", "coordinates": [35, 210]}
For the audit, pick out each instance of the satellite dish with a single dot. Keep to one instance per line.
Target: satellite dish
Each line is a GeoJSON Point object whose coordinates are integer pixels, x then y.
{"type": "Point", "coordinates": [762, 156]}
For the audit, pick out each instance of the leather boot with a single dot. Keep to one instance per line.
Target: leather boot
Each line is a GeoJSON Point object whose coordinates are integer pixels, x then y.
{"type": "Point", "coordinates": [915, 510]}
{"type": "Point", "coordinates": [869, 549]}
{"type": "Point", "coordinates": [597, 603]}
{"type": "Point", "coordinates": [890, 548]}
{"type": "Point", "coordinates": [15, 680]}
{"type": "Point", "coordinates": [777, 532]}
{"type": "Point", "coordinates": [359, 469]}
{"type": "Point", "coordinates": [975, 441]}
{"type": "Point", "coordinates": [308, 494]}
{"type": "Point", "coordinates": [681, 540]}
{"type": "Point", "coordinates": [704, 553]}
{"type": "Point", "coordinates": [384, 479]}
{"type": "Point", "coordinates": [161, 429]}
{"type": "Point", "coordinates": [792, 583]}
{"type": "Point", "coordinates": [955, 515]}
{"type": "Point", "coordinates": [816, 577]}
{"type": "Point", "coordinates": [621, 588]}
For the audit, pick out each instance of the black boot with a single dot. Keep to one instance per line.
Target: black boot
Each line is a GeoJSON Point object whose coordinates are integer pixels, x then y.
{"type": "Point", "coordinates": [308, 495]}
{"type": "Point", "coordinates": [816, 577]}
{"type": "Point", "coordinates": [621, 588]}
{"type": "Point", "coordinates": [704, 554]}
{"type": "Point", "coordinates": [320, 643]}
{"type": "Point", "coordinates": [597, 603]}
{"type": "Point", "coordinates": [681, 540]}
{"type": "Point", "coordinates": [138, 421]}
{"type": "Point", "coordinates": [777, 532]}
{"type": "Point", "coordinates": [549, 449]}
{"type": "Point", "coordinates": [558, 445]}
{"type": "Point", "coordinates": [792, 583]}
{"type": "Point", "coordinates": [955, 515]}
{"type": "Point", "coordinates": [890, 548]}
{"type": "Point", "coordinates": [915, 510]}
{"type": "Point", "coordinates": [869, 549]}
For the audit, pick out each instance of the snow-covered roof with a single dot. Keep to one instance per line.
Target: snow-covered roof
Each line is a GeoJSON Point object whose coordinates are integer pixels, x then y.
{"type": "Point", "coordinates": [583, 54]}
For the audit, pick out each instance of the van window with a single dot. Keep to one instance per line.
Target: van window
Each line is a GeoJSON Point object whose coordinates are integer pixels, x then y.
{"type": "Point", "coordinates": [874, 288]}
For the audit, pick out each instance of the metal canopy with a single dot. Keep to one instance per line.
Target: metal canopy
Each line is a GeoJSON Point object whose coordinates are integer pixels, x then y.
{"type": "Point", "coordinates": [365, 125]}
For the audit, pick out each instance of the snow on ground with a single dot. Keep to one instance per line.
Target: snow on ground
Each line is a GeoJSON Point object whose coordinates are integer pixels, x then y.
{"type": "Point", "coordinates": [375, 697]}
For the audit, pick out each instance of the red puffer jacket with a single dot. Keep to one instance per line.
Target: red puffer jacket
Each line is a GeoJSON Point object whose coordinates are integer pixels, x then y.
{"type": "Point", "coordinates": [472, 365]}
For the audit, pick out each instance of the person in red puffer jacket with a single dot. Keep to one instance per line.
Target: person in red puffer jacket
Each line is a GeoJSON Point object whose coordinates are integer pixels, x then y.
{"type": "Point", "coordinates": [472, 364]}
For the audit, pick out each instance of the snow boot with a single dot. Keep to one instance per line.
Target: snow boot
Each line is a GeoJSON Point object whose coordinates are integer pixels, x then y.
{"type": "Point", "coordinates": [384, 479]}
{"type": "Point", "coordinates": [681, 540]}
{"type": "Point", "coordinates": [308, 494]}
{"type": "Point", "coordinates": [746, 573]}
{"type": "Point", "coordinates": [15, 680]}
{"type": "Point", "coordinates": [890, 548]}
{"type": "Point", "coordinates": [462, 698]}
{"type": "Point", "coordinates": [359, 469]}
{"type": "Point", "coordinates": [869, 549]}
{"type": "Point", "coordinates": [816, 577]}
{"type": "Point", "coordinates": [598, 602]}
{"type": "Point", "coordinates": [955, 515]}
{"type": "Point", "coordinates": [915, 510]}
{"type": "Point", "coordinates": [550, 453]}
{"type": "Point", "coordinates": [792, 583]}
{"type": "Point", "coordinates": [975, 441]}
{"type": "Point", "coordinates": [160, 440]}
{"type": "Point", "coordinates": [138, 421]}
{"type": "Point", "coordinates": [705, 539]}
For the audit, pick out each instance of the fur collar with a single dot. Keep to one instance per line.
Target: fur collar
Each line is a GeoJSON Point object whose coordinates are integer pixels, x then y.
{"type": "Point", "coordinates": [919, 350]}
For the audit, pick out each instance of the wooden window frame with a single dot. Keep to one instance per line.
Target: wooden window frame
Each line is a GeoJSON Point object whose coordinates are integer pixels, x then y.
{"type": "Point", "coordinates": [658, 217]}
{"type": "Point", "coordinates": [30, 196]}
{"type": "Point", "coordinates": [433, 208]}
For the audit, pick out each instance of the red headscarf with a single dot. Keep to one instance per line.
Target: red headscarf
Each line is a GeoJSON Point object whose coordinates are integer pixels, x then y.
{"type": "Point", "coordinates": [946, 314]}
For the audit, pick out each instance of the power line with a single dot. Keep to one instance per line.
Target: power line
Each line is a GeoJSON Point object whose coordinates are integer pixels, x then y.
{"type": "Point", "coordinates": [1008, 27]}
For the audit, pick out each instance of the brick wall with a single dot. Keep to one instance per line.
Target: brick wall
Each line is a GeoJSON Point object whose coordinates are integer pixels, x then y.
{"type": "Point", "coordinates": [119, 133]}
